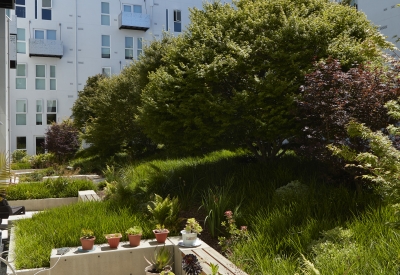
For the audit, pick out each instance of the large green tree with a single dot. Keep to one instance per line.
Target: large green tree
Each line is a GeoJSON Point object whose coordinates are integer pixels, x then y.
{"type": "Point", "coordinates": [232, 78]}
{"type": "Point", "coordinates": [105, 110]}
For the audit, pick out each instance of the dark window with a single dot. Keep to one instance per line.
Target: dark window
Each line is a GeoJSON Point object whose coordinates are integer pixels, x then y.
{"type": "Point", "coordinates": [46, 14]}
{"type": "Point", "coordinates": [51, 118]}
{"type": "Point", "coordinates": [20, 2]}
{"type": "Point", "coordinates": [20, 11]}
{"type": "Point", "coordinates": [39, 145]}
{"type": "Point", "coordinates": [21, 143]}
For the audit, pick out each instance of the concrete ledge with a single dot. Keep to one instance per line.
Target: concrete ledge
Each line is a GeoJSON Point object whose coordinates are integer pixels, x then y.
{"type": "Point", "coordinates": [77, 177]}
{"type": "Point", "coordinates": [42, 204]}
{"type": "Point", "coordinates": [88, 195]}
{"type": "Point", "coordinates": [125, 259]}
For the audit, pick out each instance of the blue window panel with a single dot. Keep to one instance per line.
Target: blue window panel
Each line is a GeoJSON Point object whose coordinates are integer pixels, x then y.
{"type": "Point", "coordinates": [20, 2]}
{"type": "Point", "coordinates": [51, 35]}
{"type": "Point", "coordinates": [105, 7]}
{"type": "Point", "coordinates": [39, 34]}
{"type": "Point", "coordinates": [20, 11]}
{"type": "Point", "coordinates": [46, 14]}
{"type": "Point", "coordinates": [127, 8]}
{"type": "Point", "coordinates": [177, 27]}
{"type": "Point", "coordinates": [137, 9]}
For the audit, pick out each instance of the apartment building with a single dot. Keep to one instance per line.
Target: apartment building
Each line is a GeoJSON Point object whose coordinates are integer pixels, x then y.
{"type": "Point", "coordinates": [60, 43]}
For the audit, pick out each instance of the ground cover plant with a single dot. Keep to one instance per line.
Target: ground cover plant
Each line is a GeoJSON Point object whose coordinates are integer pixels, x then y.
{"type": "Point", "coordinates": [52, 188]}
{"type": "Point", "coordinates": [61, 227]}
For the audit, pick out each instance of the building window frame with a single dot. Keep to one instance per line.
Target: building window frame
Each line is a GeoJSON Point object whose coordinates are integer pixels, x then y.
{"type": "Point", "coordinates": [21, 143]}
{"type": "Point", "coordinates": [20, 79]}
{"type": "Point", "coordinates": [40, 146]}
{"type": "Point", "coordinates": [21, 40]}
{"type": "Point", "coordinates": [139, 49]}
{"type": "Point", "coordinates": [106, 71]}
{"type": "Point", "coordinates": [177, 20]}
{"type": "Point", "coordinates": [20, 9]}
{"type": "Point", "coordinates": [46, 9]}
{"type": "Point", "coordinates": [132, 8]}
{"type": "Point", "coordinates": [40, 77]}
{"type": "Point", "coordinates": [39, 111]}
{"type": "Point", "coordinates": [20, 111]}
{"type": "Point", "coordinates": [51, 111]}
{"type": "Point", "coordinates": [129, 45]}
{"type": "Point", "coordinates": [47, 34]}
{"type": "Point", "coordinates": [52, 78]}
{"type": "Point", "coordinates": [105, 46]}
{"type": "Point", "coordinates": [105, 14]}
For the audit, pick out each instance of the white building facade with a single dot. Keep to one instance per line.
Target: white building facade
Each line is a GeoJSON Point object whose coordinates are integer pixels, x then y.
{"type": "Point", "coordinates": [60, 43]}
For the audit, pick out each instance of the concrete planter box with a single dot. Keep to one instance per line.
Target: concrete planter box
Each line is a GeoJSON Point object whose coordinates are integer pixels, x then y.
{"type": "Point", "coordinates": [42, 204]}
{"type": "Point", "coordinates": [124, 259]}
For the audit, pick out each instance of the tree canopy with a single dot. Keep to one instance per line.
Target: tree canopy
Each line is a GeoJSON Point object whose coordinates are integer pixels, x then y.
{"type": "Point", "coordinates": [233, 77]}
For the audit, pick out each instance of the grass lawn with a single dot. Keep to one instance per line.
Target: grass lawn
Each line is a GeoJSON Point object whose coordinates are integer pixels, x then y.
{"type": "Point", "coordinates": [296, 221]}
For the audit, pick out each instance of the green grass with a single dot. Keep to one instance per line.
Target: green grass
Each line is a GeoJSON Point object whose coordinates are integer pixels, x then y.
{"type": "Point", "coordinates": [288, 208]}
{"type": "Point", "coordinates": [56, 188]}
{"type": "Point", "coordinates": [60, 227]}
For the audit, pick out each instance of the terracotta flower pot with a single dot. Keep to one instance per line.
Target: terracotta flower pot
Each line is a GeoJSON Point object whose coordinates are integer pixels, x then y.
{"type": "Point", "coordinates": [87, 244]}
{"type": "Point", "coordinates": [134, 240]}
{"type": "Point", "coordinates": [161, 236]}
{"type": "Point", "coordinates": [113, 241]}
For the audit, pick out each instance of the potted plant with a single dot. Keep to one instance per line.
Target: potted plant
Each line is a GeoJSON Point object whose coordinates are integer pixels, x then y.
{"type": "Point", "coordinates": [189, 233]}
{"type": "Point", "coordinates": [134, 235]}
{"type": "Point", "coordinates": [161, 233]}
{"type": "Point", "coordinates": [87, 239]}
{"type": "Point", "coordinates": [161, 262]}
{"type": "Point", "coordinates": [113, 239]}
{"type": "Point", "coordinates": [191, 265]}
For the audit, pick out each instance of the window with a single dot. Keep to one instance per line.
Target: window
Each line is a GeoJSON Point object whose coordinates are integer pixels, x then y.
{"type": "Point", "coordinates": [53, 81]}
{"type": "Point", "coordinates": [21, 112]}
{"type": "Point", "coordinates": [139, 47]}
{"type": "Point", "coordinates": [8, 13]}
{"type": "Point", "coordinates": [51, 111]}
{"type": "Point", "coordinates": [21, 143]}
{"type": "Point", "coordinates": [39, 112]}
{"type": "Point", "coordinates": [132, 8]}
{"type": "Point", "coordinates": [20, 80]}
{"type": "Point", "coordinates": [20, 8]}
{"type": "Point", "coordinates": [46, 34]}
{"type": "Point", "coordinates": [40, 81]}
{"type": "Point", "coordinates": [106, 71]}
{"type": "Point", "coordinates": [105, 13]}
{"type": "Point", "coordinates": [128, 47]}
{"type": "Point", "coordinates": [21, 44]}
{"type": "Point", "coordinates": [39, 145]}
{"type": "Point", "coordinates": [46, 9]}
{"type": "Point", "coordinates": [177, 21]}
{"type": "Point", "coordinates": [105, 46]}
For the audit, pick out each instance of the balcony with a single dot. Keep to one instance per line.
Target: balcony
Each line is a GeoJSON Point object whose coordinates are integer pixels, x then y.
{"type": "Point", "coordinates": [46, 48]}
{"type": "Point", "coordinates": [7, 4]}
{"type": "Point", "coordinates": [134, 21]}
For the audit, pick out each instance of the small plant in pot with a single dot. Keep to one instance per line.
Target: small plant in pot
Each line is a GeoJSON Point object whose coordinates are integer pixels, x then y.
{"type": "Point", "coordinates": [87, 239]}
{"type": "Point", "coordinates": [189, 233]}
{"type": "Point", "coordinates": [161, 262]}
{"type": "Point", "coordinates": [113, 239]}
{"type": "Point", "coordinates": [134, 234]}
{"type": "Point", "coordinates": [161, 233]}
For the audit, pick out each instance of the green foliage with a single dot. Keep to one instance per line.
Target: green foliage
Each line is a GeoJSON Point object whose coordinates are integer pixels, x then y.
{"type": "Point", "coordinates": [165, 211]}
{"type": "Point", "coordinates": [162, 258]}
{"type": "Point", "coordinates": [42, 160]}
{"type": "Point", "coordinates": [5, 173]}
{"type": "Point", "coordinates": [379, 166]}
{"type": "Point", "coordinates": [87, 233]}
{"type": "Point", "coordinates": [235, 235]}
{"type": "Point", "coordinates": [135, 230]}
{"type": "Point", "coordinates": [61, 227]}
{"type": "Point", "coordinates": [20, 166]}
{"type": "Point", "coordinates": [37, 175]}
{"type": "Point", "coordinates": [215, 203]}
{"type": "Point", "coordinates": [57, 188]}
{"type": "Point", "coordinates": [232, 78]}
{"type": "Point", "coordinates": [18, 155]}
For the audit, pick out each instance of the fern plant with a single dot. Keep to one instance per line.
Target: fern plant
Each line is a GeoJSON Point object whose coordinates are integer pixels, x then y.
{"type": "Point", "coordinates": [165, 211]}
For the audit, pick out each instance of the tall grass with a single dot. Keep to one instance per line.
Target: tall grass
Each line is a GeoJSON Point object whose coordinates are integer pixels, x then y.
{"type": "Point", "coordinates": [60, 227]}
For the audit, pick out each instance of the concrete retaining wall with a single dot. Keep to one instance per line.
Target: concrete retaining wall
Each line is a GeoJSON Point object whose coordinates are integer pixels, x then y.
{"type": "Point", "coordinates": [42, 204]}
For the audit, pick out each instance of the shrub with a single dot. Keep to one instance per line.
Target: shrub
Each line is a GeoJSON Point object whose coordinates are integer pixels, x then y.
{"type": "Point", "coordinates": [62, 140]}
{"type": "Point", "coordinates": [18, 155]}
{"type": "Point", "coordinates": [42, 160]}
{"type": "Point", "coordinates": [20, 165]}
{"type": "Point", "coordinates": [165, 211]}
